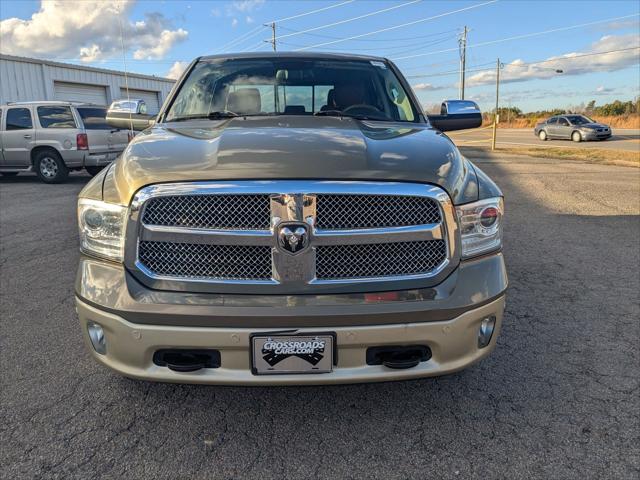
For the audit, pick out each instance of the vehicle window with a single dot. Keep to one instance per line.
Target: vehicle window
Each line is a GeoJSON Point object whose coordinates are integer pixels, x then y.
{"type": "Point", "coordinates": [360, 88]}
{"type": "Point", "coordinates": [19, 119]}
{"type": "Point", "coordinates": [56, 117]}
{"type": "Point", "coordinates": [552, 120]}
{"type": "Point", "coordinates": [143, 108]}
{"type": "Point", "coordinates": [579, 120]}
{"type": "Point", "coordinates": [563, 121]}
{"type": "Point", "coordinates": [94, 118]}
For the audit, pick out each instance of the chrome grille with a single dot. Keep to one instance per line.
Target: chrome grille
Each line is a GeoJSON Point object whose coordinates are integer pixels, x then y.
{"type": "Point", "coordinates": [223, 212]}
{"type": "Point", "coordinates": [195, 261]}
{"type": "Point", "coordinates": [235, 236]}
{"type": "Point", "coordinates": [379, 260]}
{"type": "Point", "coordinates": [341, 212]}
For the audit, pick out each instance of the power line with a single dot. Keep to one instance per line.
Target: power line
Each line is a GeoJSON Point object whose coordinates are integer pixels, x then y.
{"type": "Point", "coordinates": [405, 47]}
{"type": "Point", "coordinates": [242, 38]}
{"type": "Point", "coordinates": [560, 59]}
{"type": "Point", "coordinates": [370, 14]}
{"type": "Point", "coordinates": [309, 13]}
{"type": "Point", "coordinates": [331, 37]}
{"type": "Point", "coordinates": [518, 37]}
{"type": "Point", "coordinates": [398, 26]}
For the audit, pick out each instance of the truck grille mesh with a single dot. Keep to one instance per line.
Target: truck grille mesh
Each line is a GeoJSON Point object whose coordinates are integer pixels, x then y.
{"type": "Point", "coordinates": [196, 261]}
{"type": "Point", "coordinates": [222, 212]}
{"type": "Point", "coordinates": [374, 211]}
{"type": "Point", "coordinates": [191, 234]}
{"type": "Point", "coordinates": [379, 260]}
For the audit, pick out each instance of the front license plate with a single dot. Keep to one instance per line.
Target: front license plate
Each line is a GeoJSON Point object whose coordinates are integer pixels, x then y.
{"type": "Point", "coordinates": [279, 353]}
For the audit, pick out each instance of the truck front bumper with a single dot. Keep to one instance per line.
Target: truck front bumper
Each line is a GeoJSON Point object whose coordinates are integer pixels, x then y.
{"type": "Point", "coordinates": [137, 322]}
{"type": "Point", "coordinates": [130, 349]}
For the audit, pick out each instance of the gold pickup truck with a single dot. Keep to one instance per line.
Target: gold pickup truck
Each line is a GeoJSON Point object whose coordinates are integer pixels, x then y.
{"type": "Point", "coordinates": [291, 219]}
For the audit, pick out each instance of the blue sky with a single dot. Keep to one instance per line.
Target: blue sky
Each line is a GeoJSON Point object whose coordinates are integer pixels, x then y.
{"type": "Point", "coordinates": [162, 36]}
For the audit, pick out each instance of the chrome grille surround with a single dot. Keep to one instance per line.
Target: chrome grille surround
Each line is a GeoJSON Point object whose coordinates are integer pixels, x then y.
{"type": "Point", "coordinates": [399, 256]}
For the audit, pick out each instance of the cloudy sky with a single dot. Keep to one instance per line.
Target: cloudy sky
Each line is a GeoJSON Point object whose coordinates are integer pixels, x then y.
{"type": "Point", "coordinates": [533, 39]}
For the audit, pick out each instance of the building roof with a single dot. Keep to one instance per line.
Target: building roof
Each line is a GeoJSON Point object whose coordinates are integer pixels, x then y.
{"type": "Point", "coordinates": [82, 67]}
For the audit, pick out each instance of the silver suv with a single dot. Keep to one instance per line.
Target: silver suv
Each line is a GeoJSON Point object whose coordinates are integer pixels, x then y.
{"type": "Point", "coordinates": [53, 138]}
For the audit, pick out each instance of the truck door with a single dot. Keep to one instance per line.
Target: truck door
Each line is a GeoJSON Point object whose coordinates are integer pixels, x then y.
{"type": "Point", "coordinates": [18, 137]}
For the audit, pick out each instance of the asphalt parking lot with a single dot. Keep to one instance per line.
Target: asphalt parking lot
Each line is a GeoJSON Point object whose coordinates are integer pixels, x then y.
{"type": "Point", "coordinates": [559, 398]}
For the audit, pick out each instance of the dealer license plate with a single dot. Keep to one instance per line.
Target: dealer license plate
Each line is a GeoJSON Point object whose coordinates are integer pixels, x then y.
{"type": "Point", "coordinates": [280, 354]}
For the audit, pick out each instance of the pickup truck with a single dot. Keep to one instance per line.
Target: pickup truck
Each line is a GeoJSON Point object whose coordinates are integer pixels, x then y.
{"type": "Point", "coordinates": [291, 219]}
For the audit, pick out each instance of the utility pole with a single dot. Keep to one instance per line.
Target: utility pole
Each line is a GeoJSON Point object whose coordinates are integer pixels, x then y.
{"type": "Point", "coordinates": [273, 35]}
{"type": "Point", "coordinates": [496, 117]}
{"type": "Point", "coordinates": [462, 42]}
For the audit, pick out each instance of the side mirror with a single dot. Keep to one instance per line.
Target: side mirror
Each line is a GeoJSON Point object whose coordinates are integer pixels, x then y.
{"type": "Point", "coordinates": [125, 120]}
{"type": "Point", "coordinates": [457, 115]}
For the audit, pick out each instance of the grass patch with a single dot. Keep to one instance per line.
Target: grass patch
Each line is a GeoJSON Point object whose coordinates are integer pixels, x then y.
{"type": "Point", "coordinates": [593, 155]}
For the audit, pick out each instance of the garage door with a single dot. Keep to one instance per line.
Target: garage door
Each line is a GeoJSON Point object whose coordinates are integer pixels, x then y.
{"type": "Point", "coordinates": [150, 98]}
{"type": "Point", "coordinates": [79, 92]}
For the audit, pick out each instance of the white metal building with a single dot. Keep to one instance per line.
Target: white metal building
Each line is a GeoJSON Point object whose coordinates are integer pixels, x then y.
{"type": "Point", "coordinates": [28, 79]}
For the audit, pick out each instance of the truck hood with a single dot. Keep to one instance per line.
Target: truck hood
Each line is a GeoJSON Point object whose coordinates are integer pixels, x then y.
{"type": "Point", "coordinates": [290, 147]}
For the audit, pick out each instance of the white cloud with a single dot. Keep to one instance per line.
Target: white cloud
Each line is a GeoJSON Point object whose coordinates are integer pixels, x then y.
{"type": "Point", "coordinates": [570, 63]}
{"type": "Point", "coordinates": [215, 12]}
{"type": "Point", "coordinates": [426, 86]}
{"type": "Point", "coordinates": [246, 6]}
{"type": "Point", "coordinates": [234, 22]}
{"type": "Point", "coordinates": [88, 30]}
{"type": "Point", "coordinates": [176, 70]}
{"type": "Point", "coordinates": [249, 19]}
{"type": "Point", "coordinates": [163, 43]}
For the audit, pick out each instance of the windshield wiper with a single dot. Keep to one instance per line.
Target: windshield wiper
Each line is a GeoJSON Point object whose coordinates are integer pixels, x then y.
{"type": "Point", "coordinates": [340, 113]}
{"type": "Point", "coordinates": [216, 115]}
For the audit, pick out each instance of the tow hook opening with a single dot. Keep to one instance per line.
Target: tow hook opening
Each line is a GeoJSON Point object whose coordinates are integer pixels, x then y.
{"type": "Point", "coordinates": [398, 356]}
{"type": "Point", "coordinates": [186, 360]}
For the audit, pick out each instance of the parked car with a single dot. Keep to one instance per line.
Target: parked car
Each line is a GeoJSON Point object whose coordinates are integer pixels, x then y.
{"type": "Point", "coordinates": [572, 127]}
{"type": "Point", "coordinates": [53, 138]}
{"type": "Point", "coordinates": [292, 219]}
{"type": "Point", "coordinates": [129, 106]}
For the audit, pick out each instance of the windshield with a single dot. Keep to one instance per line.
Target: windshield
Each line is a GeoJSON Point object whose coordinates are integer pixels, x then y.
{"type": "Point", "coordinates": [358, 88]}
{"type": "Point", "coordinates": [578, 119]}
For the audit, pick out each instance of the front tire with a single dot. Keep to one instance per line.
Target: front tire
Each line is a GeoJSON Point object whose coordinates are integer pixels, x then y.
{"type": "Point", "coordinates": [542, 135]}
{"type": "Point", "coordinates": [93, 170]}
{"type": "Point", "coordinates": [50, 167]}
{"type": "Point", "coordinates": [576, 137]}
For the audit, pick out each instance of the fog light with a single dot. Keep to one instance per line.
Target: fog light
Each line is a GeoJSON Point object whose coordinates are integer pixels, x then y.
{"type": "Point", "coordinates": [96, 335]}
{"type": "Point", "coordinates": [486, 331]}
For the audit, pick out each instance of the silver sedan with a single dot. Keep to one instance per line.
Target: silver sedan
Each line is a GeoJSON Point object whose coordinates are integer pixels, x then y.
{"type": "Point", "coordinates": [572, 127]}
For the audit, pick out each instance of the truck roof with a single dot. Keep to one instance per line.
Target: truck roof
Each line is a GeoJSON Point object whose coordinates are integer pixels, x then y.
{"type": "Point", "coordinates": [300, 55]}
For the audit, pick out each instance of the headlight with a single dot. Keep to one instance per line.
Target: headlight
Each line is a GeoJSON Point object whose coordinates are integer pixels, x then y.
{"type": "Point", "coordinates": [480, 226]}
{"type": "Point", "coordinates": [102, 228]}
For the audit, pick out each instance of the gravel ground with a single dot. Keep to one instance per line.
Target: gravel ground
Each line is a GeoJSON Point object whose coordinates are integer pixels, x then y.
{"type": "Point", "coordinates": [559, 398]}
